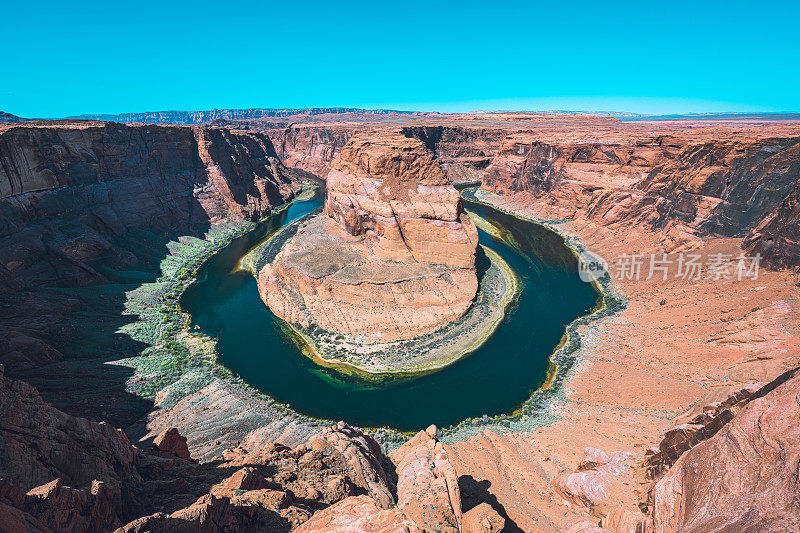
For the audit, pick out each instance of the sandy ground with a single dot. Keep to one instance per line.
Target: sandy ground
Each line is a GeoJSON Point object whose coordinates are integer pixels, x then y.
{"type": "Point", "coordinates": [641, 369]}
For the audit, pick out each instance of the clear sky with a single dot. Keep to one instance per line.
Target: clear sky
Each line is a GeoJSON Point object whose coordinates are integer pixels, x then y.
{"type": "Point", "coordinates": [66, 58]}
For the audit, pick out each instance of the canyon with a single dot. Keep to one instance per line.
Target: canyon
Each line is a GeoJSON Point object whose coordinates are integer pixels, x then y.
{"type": "Point", "coordinates": [102, 225]}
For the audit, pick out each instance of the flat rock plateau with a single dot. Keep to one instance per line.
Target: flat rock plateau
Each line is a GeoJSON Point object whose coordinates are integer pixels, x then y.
{"type": "Point", "coordinates": [679, 412]}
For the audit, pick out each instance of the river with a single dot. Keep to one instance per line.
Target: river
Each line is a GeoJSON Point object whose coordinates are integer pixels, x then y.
{"type": "Point", "coordinates": [495, 379]}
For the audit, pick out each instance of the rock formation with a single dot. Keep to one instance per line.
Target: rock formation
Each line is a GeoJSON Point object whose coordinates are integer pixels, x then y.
{"type": "Point", "coordinates": [69, 189]}
{"type": "Point", "coordinates": [92, 204]}
{"type": "Point", "coordinates": [392, 257]}
{"type": "Point", "coordinates": [61, 473]}
{"type": "Point", "coordinates": [744, 478]}
{"type": "Point", "coordinates": [89, 210]}
{"type": "Point", "coordinates": [392, 190]}
{"type": "Point", "coordinates": [427, 486]}
{"type": "Point", "coordinates": [482, 519]}
{"type": "Point", "coordinates": [39, 443]}
{"type": "Point", "coordinates": [682, 437]}
{"type": "Point", "coordinates": [685, 187]}
{"type": "Point", "coordinates": [358, 514]}
{"type": "Point", "coordinates": [706, 179]}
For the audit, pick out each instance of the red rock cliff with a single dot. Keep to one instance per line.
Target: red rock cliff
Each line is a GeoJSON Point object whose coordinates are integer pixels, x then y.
{"type": "Point", "coordinates": [67, 189]}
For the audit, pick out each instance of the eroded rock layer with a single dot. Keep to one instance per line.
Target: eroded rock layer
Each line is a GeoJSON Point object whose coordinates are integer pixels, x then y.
{"type": "Point", "coordinates": [68, 189]}
{"type": "Point", "coordinates": [91, 210]}
{"type": "Point", "coordinates": [744, 478]}
{"type": "Point", "coordinates": [391, 189]}
{"type": "Point", "coordinates": [62, 473]}
{"type": "Point", "coordinates": [393, 255]}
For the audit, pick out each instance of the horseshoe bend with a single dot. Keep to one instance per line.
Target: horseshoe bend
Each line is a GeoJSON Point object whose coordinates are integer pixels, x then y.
{"type": "Point", "coordinates": [386, 268]}
{"type": "Point", "coordinates": [384, 275]}
{"type": "Point", "coordinates": [482, 314]}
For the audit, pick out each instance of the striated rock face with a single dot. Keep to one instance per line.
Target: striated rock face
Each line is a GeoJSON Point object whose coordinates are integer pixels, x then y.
{"type": "Point", "coordinates": [391, 189]}
{"type": "Point", "coordinates": [744, 478]}
{"type": "Point", "coordinates": [688, 187]}
{"type": "Point", "coordinates": [777, 236]}
{"type": "Point", "coordinates": [722, 186]}
{"type": "Point", "coordinates": [393, 259]}
{"type": "Point", "coordinates": [309, 148]}
{"type": "Point", "coordinates": [221, 416]}
{"type": "Point", "coordinates": [228, 172]}
{"type": "Point", "coordinates": [68, 190]}
{"type": "Point", "coordinates": [464, 153]}
{"type": "Point", "coordinates": [536, 167]}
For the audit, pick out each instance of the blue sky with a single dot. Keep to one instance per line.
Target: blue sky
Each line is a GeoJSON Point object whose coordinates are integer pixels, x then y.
{"type": "Point", "coordinates": [66, 58]}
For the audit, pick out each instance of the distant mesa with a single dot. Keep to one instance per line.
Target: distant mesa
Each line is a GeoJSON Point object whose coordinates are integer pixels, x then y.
{"type": "Point", "coordinates": [8, 118]}
{"type": "Point", "coordinates": [200, 117]}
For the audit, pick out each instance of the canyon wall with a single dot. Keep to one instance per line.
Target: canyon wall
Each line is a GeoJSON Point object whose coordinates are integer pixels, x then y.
{"type": "Point", "coordinates": [310, 148]}
{"type": "Point", "coordinates": [686, 189]}
{"type": "Point", "coordinates": [67, 190]}
{"type": "Point", "coordinates": [464, 153]}
{"type": "Point", "coordinates": [91, 211]}
{"type": "Point", "coordinates": [688, 184]}
{"type": "Point", "coordinates": [777, 236]}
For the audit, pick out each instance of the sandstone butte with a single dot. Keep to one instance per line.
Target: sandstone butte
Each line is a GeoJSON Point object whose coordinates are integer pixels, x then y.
{"type": "Point", "coordinates": [391, 258]}
{"type": "Point", "coordinates": [681, 414]}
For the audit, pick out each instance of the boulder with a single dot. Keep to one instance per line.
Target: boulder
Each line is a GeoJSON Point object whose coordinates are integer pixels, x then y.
{"type": "Point", "coordinates": [482, 519]}
{"type": "Point", "coordinates": [170, 443]}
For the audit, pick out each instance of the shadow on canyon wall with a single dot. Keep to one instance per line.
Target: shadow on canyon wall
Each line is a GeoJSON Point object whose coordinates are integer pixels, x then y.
{"type": "Point", "coordinates": [91, 216]}
{"type": "Point", "coordinates": [474, 493]}
{"type": "Point", "coordinates": [63, 338]}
